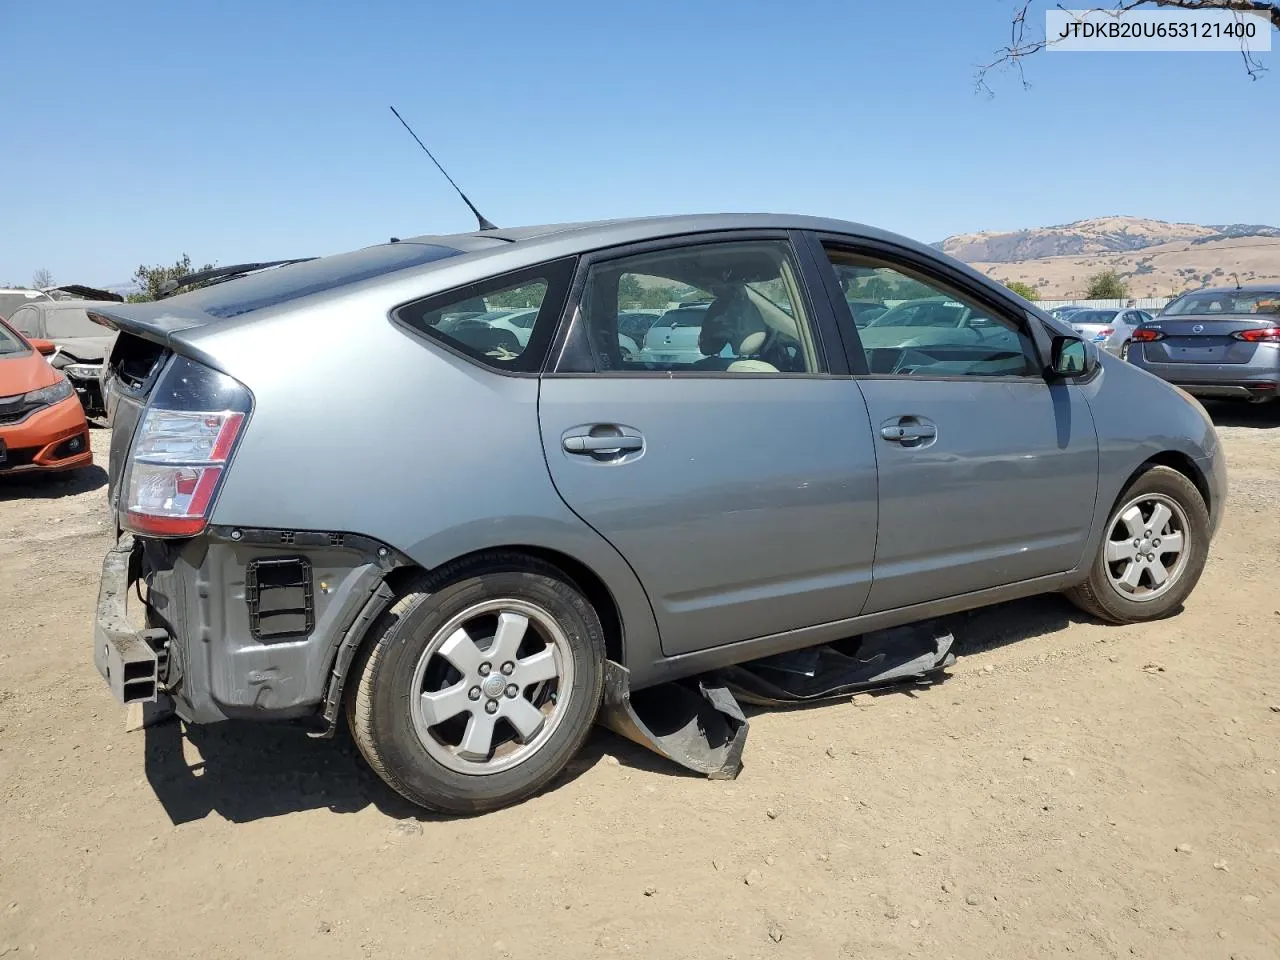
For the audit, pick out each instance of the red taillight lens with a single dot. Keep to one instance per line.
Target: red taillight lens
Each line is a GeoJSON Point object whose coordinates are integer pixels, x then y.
{"type": "Point", "coordinates": [1261, 335]}
{"type": "Point", "coordinates": [181, 449]}
{"type": "Point", "coordinates": [1105, 332]}
{"type": "Point", "coordinates": [1144, 335]}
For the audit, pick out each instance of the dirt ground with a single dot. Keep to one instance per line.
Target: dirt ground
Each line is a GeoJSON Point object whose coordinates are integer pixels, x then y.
{"type": "Point", "coordinates": [1071, 789]}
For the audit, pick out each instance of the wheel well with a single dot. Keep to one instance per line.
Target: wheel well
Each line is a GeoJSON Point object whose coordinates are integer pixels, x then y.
{"type": "Point", "coordinates": [1183, 464]}
{"type": "Point", "coordinates": [582, 576]}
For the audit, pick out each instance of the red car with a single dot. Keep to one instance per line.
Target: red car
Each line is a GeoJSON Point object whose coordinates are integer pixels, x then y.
{"type": "Point", "coordinates": [42, 424]}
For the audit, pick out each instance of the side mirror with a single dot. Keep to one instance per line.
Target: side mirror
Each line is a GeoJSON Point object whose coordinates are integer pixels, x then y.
{"type": "Point", "coordinates": [43, 347]}
{"type": "Point", "coordinates": [1070, 357]}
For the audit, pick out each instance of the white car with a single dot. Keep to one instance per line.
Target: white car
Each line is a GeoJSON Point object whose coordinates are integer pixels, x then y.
{"type": "Point", "coordinates": [1109, 329]}
{"type": "Point", "coordinates": [520, 323]}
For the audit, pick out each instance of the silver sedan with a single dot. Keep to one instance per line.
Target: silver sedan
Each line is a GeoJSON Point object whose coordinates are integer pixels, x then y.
{"type": "Point", "coordinates": [1109, 329]}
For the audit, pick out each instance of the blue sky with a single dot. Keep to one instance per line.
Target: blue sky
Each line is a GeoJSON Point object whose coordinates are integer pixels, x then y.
{"type": "Point", "coordinates": [244, 130]}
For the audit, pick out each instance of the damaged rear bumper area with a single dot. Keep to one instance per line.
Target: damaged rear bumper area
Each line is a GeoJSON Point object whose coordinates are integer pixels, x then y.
{"type": "Point", "coordinates": [247, 624]}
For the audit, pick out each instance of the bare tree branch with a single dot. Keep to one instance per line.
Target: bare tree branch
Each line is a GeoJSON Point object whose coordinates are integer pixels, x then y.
{"type": "Point", "coordinates": [1022, 44]}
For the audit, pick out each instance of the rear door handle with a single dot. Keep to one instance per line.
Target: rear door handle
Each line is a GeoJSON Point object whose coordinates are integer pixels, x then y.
{"type": "Point", "coordinates": [586, 443]}
{"type": "Point", "coordinates": [908, 430]}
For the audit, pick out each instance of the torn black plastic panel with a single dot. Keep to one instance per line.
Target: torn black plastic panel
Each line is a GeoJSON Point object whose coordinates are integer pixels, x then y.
{"type": "Point", "coordinates": [705, 730]}
{"type": "Point", "coordinates": [878, 659]}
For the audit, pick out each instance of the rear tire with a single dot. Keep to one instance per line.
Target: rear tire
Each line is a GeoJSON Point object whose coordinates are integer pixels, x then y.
{"type": "Point", "coordinates": [1152, 551]}
{"type": "Point", "coordinates": [479, 685]}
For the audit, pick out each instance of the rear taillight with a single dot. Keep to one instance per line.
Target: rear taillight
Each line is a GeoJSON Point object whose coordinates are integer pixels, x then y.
{"type": "Point", "coordinates": [1144, 335]}
{"type": "Point", "coordinates": [1105, 332]}
{"type": "Point", "coordinates": [181, 450]}
{"type": "Point", "coordinates": [1261, 335]}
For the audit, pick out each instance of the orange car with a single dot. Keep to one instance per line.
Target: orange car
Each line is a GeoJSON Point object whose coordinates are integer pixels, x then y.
{"type": "Point", "coordinates": [42, 425]}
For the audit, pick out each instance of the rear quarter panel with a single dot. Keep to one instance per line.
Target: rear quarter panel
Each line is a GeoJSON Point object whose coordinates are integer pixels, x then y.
{"type": "Point", "coordinates": [360, 427]}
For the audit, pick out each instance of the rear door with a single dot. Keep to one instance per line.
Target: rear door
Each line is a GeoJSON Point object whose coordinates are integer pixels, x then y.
{"type": "Point", "coordinates": [988, 473]}
{"type": "Point", "coordinates": [740, 488]}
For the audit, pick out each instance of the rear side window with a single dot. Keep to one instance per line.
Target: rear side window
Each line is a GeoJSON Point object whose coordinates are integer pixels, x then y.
{"type": "Point", "coordinates": [26, 322]}
{"type": "Point", "coordinates": [72, 323]}
{"type": "Point", "coordinates": [506, 322]}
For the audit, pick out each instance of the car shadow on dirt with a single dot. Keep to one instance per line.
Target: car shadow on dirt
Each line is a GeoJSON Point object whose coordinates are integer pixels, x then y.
{"type": "Point", "coordinates": [246, 771]}
{"type": "Point", "coordinates": [1260, 416]}
{"type": "Point", "coordinates": [52, 486]}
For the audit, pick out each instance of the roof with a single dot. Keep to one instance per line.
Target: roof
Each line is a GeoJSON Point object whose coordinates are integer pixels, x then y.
{"type": "Point", "coordinates": [70, 304]}
{"type": "Point", "coordinates": [395, 271]}
{"type": "Point", "coordinates": [590, 232]}
{"type": "Point", "coordinates": [1243, 288]}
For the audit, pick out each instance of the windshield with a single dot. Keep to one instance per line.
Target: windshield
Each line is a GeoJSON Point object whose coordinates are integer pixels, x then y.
{"type": "Point", "coordinates": [9, 302]}
{"type": "Point", "coordinates": [925, 313]}
{"type": "Point", "coordinates": [62, 324]}
{"type": "Point", "coordinates": [1236, 301]}
{"type": "Point", "coordinates": [1094, 316]}
{"type": "Point", "coordinates": [9, 342]}
{"type": "Point", "coordinates": [682, 317]}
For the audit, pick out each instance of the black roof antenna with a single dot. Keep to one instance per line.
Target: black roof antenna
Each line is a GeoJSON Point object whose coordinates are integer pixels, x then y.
{"type": "Point", "coordinates": [484, 224]}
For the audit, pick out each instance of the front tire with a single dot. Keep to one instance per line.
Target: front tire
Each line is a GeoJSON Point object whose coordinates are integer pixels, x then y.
{"type": "Point", "coordinates": [479, 685]}
{"type": "Point", "coordinates": [1152, 553]}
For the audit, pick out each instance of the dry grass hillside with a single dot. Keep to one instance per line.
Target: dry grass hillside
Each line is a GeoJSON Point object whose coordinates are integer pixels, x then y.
{"type": "Point", "coordinates": [1155, 258]}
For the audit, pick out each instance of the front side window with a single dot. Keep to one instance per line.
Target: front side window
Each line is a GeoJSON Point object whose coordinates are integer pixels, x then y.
{"type": "Point", "coordinates": [923, 328]}
{"type": "Point", "coordinates": [731, 307]}
{"type": "Point", "coordinates": [10, 342]}
{"type": "Point", "coordinates": [506, 323]}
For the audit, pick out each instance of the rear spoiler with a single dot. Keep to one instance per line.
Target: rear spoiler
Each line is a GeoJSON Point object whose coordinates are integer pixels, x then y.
{"type": "Point", "coordinates": [87, 293]}
{"type": "Point", "coordinates": [222, 274]}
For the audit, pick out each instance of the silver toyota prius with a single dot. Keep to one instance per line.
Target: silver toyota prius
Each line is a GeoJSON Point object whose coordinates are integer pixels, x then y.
{"type": "Point", "coordinates": [469, 542]}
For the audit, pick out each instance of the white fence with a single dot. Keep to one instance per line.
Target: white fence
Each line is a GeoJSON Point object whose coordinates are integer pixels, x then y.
{"type": "Point", "coordinates": [1139, 303]}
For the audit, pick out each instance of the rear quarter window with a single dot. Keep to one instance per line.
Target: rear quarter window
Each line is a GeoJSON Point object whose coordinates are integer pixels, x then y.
{"type": "Point", "coordinates": [473, 320]}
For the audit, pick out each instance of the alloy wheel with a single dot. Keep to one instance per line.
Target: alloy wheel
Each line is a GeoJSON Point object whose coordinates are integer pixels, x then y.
{"type": "Point", "coordinates": [491, 686]}
{"type": "Point", "coordinates": [1147, 547]}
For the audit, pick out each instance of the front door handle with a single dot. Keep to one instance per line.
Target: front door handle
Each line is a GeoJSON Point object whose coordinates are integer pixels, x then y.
{"type": "Point", "coordinates": [601, 444]}
{"type": "Point", "coordinates": [908, 431]}
{"type": "Point", "coordinates": [597, 440]}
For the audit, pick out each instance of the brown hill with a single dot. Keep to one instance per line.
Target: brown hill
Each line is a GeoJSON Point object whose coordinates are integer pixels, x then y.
{"type": "Point", "coordinates": [1155, 258]}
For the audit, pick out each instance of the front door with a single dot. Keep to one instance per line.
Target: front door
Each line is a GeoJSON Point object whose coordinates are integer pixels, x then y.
{"type": "Point", "coordinates": [739, 480]}
{"type": "Point", "coordinates": [988, 472]}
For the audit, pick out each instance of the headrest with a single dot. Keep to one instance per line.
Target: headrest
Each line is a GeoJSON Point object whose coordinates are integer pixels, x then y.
{"type": "Point", "coordinates": [752, 343]}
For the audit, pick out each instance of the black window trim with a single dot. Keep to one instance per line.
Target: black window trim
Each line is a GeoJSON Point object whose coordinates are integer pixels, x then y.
{"type": "Point", "coordinates": [892, 255]}
{"type": "Point", "coordinates": [558, 275]}
{"type": "Point", "coordinates": [572, 345]}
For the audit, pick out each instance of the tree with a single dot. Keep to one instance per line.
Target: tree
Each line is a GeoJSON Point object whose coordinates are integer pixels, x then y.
{"type": "Point", "coordinates": [1106, 285]}
{"type": "Point", "coordinates": [42, 279]}
{"type": "Point", "coordinates": [1025, 290]}
{"type": "Point", "coordinates": [1025, 40]}
{"type": "Point", "coordinates": [151, 280]}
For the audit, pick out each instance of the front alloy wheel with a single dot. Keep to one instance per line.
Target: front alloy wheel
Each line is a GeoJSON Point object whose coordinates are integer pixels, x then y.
{"type": "Point", "coordinates": [1147, 547]}
{"type": "Point", "coordinates": [1155, 548]}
